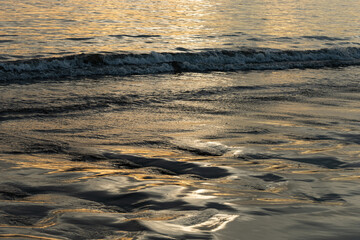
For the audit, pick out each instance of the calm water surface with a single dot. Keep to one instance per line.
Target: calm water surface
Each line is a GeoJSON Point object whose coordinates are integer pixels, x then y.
{"type": "Point", "coordinates": [174, 119]}
{"type": "Point", "coordinates": [30, 29]}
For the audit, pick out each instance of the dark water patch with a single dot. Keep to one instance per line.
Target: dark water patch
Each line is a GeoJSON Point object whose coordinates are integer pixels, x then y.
{"type": "Point", "coordinates": [352, 165]}
{"type": "Point", "coordinates": [269, 177]}
{"type": "Point", "coordinates": [275, 98]}
{"type": "Point", "coordinates": [293, 210]}
{"type": "Point", "coordinates": [344, 43]}
{"type": "Point", "coordinates": [255, 156]}
{"type": "Point", "coordinates": [346, 138]}
{"type": "Point", "coordinates": [283, 38]}
{"type": "Point", "coordinates": [87, 226]}
{"type": "Point", "coordinates": [72, 106]}
{"type": "Point", "coordinates": [267, 142]}
{"type": "Point", "coordinates": [117, 36]}
{"type": "Point", "coordinates": [178, 168]}
{"type": "Point", "coordinates": [183, 237]}
{"type": "Point", "coordinates": [79, 39]}
{"type": "Point", "coordinates": [100, 222]}
{"type": "Point", "coordinates": [350, 137]}
{"type": "Point", "coordinates": [322, 161]}
{"type": "Point", "coordinates": [16, 220]}
{"type": "Point", "coordinates": [274, 117]}
{"type": "Point", "coordinates": [137, 201]}
{"type": "Point", "coordinates": [167, 205]}
{"type": "Point", "coordinates": [324, 38]}
{"type": "Point", "coordinates": [197, 109]}
{"type": "Point", "coordinates": [49, 110]}
{"type": "Point", "coordinates": [316, 91]}
{"type": "Point", "coordinates": [256, 131]}
{"type": "Point", "coordinates": [230, 35]}
{"type": "Point", "coordinates": [56, 131]}
{"type": "Point", "coordinates": [314, 123]}
{"type": "Point", "coordinates": [182, 49]}
{"type": "Point", "coordinates": [31, 210]}
{"type": "Point", "coordinates": [159, 171]}
{"type": "Point", "coordinates": [258, 213]}
{"type": "Point", "coordinates": [305, 180]}
{"type": "Point", "coordinates": [23, 215]}
{"type": "Point", "coordinates": [240, 88]}
{"type": "Point", "coordinates": [9, 192]}
{"type": "Point", "coordinates": [117, 202]}
{"type": "Point", "coordinates": [163, 238]}
{"type": "Point", "coordinates": [255, 39]}
{"type": "Point", "coordinates": [203, 151]}
{"type": "Point", "coordinates": [46, 147]}
{"type": "Point", "coordinates": [76, 169]}
{"type": "Point", "coordinates": [87, 157]}
{"type": "Point", "coordinates": [157, 143]}
{"type": "Point", "coordinates": [196, 94]}
{"type": "Point", "coordinates": [152, 165]}
{"type": "Point", "coordinates": [125, 164]}
{"type": "Point", "coordinates": [5, 41]}
{"type": "Point", "coordinates": [143, 36]}
{"type": "Point", "coordinates": [353, 235]}
{"type": "Point", "coordinates": [136, 36]}
{"type": "Point", "coordinates": [326, 198]}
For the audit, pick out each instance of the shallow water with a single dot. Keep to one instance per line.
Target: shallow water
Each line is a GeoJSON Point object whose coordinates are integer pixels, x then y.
{"type": "Point", "coordinates": [179, 156]}
{"type": "Point", "coordinates": [179, 120]}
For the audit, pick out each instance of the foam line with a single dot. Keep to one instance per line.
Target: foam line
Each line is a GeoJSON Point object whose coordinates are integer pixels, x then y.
{"type": "Point", "coordinates": [161, 62]}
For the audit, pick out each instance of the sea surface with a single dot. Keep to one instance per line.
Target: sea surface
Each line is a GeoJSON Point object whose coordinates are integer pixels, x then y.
{"type": "Point", "coordinates": [168, 119]}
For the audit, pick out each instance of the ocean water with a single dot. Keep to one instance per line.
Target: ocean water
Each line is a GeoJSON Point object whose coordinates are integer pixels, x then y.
{"type": "Point", "coordinates": [173, 119]}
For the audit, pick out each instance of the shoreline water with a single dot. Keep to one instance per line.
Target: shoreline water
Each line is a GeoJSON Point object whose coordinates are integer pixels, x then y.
{"type": "Point", "coordinates": [177, 119]}
{"type": "Point", "coordinates": [193, 156]}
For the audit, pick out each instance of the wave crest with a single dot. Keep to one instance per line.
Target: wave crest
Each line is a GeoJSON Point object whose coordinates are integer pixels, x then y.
{"type": "Point", "coordinates": [155, 63]}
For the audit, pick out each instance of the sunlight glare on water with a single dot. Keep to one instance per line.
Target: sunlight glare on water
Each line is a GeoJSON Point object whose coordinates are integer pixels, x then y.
{"type": "Point", "coordinates": [169, 119]}
{"type": "Point", "coordinates": [47, 28]}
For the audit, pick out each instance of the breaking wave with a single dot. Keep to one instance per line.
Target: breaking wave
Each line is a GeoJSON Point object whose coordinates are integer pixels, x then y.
{"type": "Point", "coordinates": [123, 64]}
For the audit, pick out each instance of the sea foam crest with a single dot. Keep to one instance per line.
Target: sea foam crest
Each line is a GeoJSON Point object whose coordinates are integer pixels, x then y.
{"type": "Point", "coordinates": [156, 63]}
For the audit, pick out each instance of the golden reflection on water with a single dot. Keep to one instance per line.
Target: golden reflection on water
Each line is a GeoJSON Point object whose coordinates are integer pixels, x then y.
{"type": "Point", "coordinates": [51, 27]}
{"type": "Point", "coordinates": [24, 236]}
{"type": "Point", "coordinates": [47, 26]}
{"type": "Point", "coordinates": [227, 188]}
{"type": "Point", "coordinates": [223, 187]}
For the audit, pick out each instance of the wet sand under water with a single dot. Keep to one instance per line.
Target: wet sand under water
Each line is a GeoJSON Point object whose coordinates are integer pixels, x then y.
{"type": "Point", "coordinates": [247, 155]}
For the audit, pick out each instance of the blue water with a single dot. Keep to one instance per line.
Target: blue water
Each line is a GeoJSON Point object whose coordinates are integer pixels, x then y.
{"type": "Point", "coordinates": [175, 119]}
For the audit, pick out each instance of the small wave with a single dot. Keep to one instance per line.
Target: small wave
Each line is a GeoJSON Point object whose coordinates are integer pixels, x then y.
{"type": "Point", "coordinates": [324, 38]}
{"type": "Point", "coordinates": [136, 36]}
{"type": "Point", "coordinates": [208, 221]}
{"type": "Point", "coordinates": [201, 148]}
{"type": "Point", "coordinates": [8, 35]}
{"type": "Point", "coordinates": [6, 41]}
{"type": "Point", "coordinates": [122, 64]}
{"type": "Point", "coordinates": [79, 39]}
